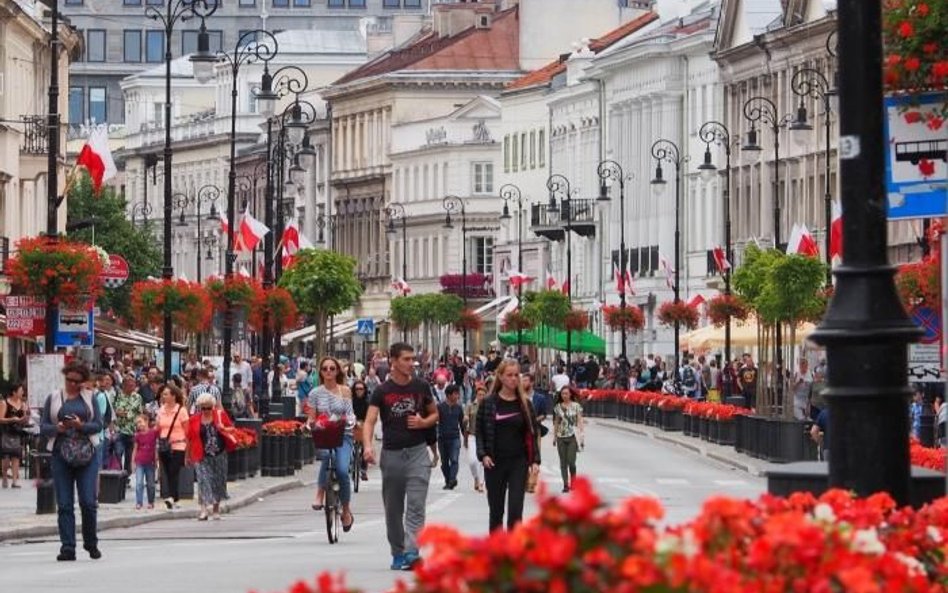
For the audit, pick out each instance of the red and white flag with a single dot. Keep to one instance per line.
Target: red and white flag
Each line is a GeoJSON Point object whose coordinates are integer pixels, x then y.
{"type": "Point", "coordinates": [399, 285]}
{"type": "Point", "coordinates": [696, 301]}
{"type": "Point", "coordinates": [518, 279]}
{"type": "Point", "coordinates": [250, 233]}
{"type": "Point", "coordinates": [720, 260]}
{"type": "Point", "coordinates": [96, 158]}
{"type": "Point", "coordinates": [669, 272]}
{"type": "Point", "coordinates": [292, 241]}
{"type": "Point", "coordinates": [565, 288]}
{"type": "Point", "coordinates": [801, 242]}
{"type": "Point", "coordinates": [629, 286]}
{"type": "Point", "coordinates": [225, 226]}
{"type": "Point", "coordinates": [620, 278]}
{"type": "Point", "coordinates": [836, 231]}
{"type": "Point", "coordinates": [551, 282]}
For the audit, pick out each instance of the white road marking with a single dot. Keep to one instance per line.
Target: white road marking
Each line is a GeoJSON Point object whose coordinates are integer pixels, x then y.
{"type": "Point", "coordinates": [671, 481]}
{"type": "Point", "coordinates": [731, 483]}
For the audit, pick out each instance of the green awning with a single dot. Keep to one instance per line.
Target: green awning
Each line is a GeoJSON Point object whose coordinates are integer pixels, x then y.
{"type": "Point", "coordinates": [581, 341]}
{"type": "Point", "coordinates": [528, 336]}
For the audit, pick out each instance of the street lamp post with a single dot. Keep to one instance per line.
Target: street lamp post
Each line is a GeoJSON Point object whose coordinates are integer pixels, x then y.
{"type": "Point", "coordinates": [52, 163]}
{"type": "Point", "coordinates": [763, 111]}
{"type": "Point", "coordinates": [717, 133]}
{"type": "Point", "coordinates": [208, 194]}
{"type": "Point", "coordinates": [809, 82]}
{"type": "Point", "coordinates": [456, 204]}
{"type": "Point", "coordinates": [609, 170]}
{"type": "Point", "coordinates": [511, 193]}
{"type": "Point", "coordinates": [558, 185]}
{"type": "Point", "coordinates": [397, 211]}
{"type": "Point", "coordinates": [249, 49]}
{"type": "Point", "coordinates": [175, 11]}
{"type": "Point", "coordinates": [141, 208]}
{"type": "Point", "coordinates": [667, 151]}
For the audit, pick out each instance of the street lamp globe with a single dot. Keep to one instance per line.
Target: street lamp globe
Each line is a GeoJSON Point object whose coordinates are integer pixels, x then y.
{"type": "Point", "coordinates": [658, 182]}
{"type": "Point", "coordinates": [390, 231]}
{"type": "Point", "coordinates": [707, 168]}
{"type": "Point", "coordinates": [203, 61]}
{"type": "Point", "coordinates": [266, 97]}
{"type": "Point", "coordinates": [297, 173]}
{"type": "Point", "coordinates": [505, 215]}
{"type": "Point", "coordinates": [296, 127]}
{"type": "Point", "coordinates": [289, 188]}
{"type": "Point", "coordinates": [307, 154]}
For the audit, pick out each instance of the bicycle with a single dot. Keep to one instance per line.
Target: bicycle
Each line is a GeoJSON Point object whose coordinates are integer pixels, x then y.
{"type": "Point", "coordinates": [328, 437]}
{"type": "Point", "coordinates": [355, 466]}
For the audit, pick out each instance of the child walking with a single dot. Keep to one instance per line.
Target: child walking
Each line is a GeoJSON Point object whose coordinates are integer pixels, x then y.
{"type": "Point", "coordinates": [145, 457]}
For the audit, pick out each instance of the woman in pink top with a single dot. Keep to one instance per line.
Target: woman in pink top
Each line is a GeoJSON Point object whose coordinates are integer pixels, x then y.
{"type": "Point", "coordinates": [172, 439]}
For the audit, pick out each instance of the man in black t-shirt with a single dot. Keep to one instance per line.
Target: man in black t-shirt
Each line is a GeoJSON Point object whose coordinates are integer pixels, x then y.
{"type": "Point", "coordinates": [408, 411]}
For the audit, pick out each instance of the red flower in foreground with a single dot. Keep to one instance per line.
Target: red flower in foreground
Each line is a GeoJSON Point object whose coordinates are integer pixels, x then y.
{"type": "Point", "coordinates": [906, 29]}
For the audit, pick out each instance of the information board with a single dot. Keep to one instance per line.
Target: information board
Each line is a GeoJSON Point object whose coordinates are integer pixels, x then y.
{"type": "Point", "coordinates": [916, 167]}
{"type": "Point", "coordinates": [43, 376]}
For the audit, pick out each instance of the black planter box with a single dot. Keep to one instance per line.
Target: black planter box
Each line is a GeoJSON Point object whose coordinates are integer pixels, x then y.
{"type": "Point", "coordinates": [727, 431]}
{"type": "Point", "coordinates": [813, 476]}
{"type": "Point", "coordinates": [703, 428]}
{"type": "Point", "coordinates": [111, 486]}
{"type": "Point", "coordinates": [268, 455]}
{"type": "Point", "coordinates": [787, 439]}
{"type": "Point", "coordinates": [740, 433]}
{"type": "Point", "coordinates": [672, 420]}
{"type": "Point", "coordinates": [686, 421]}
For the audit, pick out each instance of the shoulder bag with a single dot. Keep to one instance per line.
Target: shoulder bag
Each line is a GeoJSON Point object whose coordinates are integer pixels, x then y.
{"type": "Point", "coordinates": [75, 448]}
{"type": "Point", "coordinates": [164, 443]}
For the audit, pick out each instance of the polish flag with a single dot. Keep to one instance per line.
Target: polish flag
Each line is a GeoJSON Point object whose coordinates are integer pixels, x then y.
{"type": "Point", "coordinates": [251, 231]}
{"type": "Point", "coordinates": [518, 279]}
{"type": "Point", "coordinates": [669, 272]}
{"type": "Point", "coordinates": [720, 260]}
{"type": "Point", "coordinates": [620, 278]}
{"type": "Point", "coordinates": [293, 240]}
{"type": "Point", "coordinates": [629, 286]}
{"type": "Point", "coordinates": [243, 272]}
{"type": "Point", "coordinates": [696, 301]}
{"type": "Point", "coordinates": [565, 288]}
{"type": "Point", "coordinates": [96, 158]}
{"type": "Point", "coordinates": [551, 282]}
{"type": "Point", "coordinates": [225, 226]}
{"type": "Point", "coordinates": [801, 242]}
{"type": "Point", "coordinates": [401, 286]}
{"type": "Point", "coordinates": [836, 231]}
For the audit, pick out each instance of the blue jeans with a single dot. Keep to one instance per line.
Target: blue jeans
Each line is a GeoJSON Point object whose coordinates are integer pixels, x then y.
{"type": "Point", "coordinates": [342, 461]}
{"type": "Point", "coordinates": [144, 474]}
{"type": "Point", "coordinates": [123, 446]}
{"type": "Point", "coordinates": [66, 479]}
{"type": "Point", "coordinates": [449, 449]}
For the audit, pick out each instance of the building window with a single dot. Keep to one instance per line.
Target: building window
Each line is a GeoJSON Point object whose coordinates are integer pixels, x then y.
{"type": "Point", "coordinates": [129, 3]}
{"type": "Point", "coordinates": [154, 46]}
{"type": "Point", "coordinates": [281, 3]}
{"type": "Point", "coordinates": [483, 178]}
{"type": "Point", "coordinates": [356, 3]}
{"type": "Point", "coordinates": [541, 148]}
{"type": "Point", "coordinates": [513, 154]}
{"type": "Point", "coordinates": [391, 3]}
{"type": "Point", "coordinates": [248, 3]}
{"type": "Point", "coordinates": [189, 41]}
{"type": "Point", "coordinates": [98, 111]}
{"type": "Point", "coordinates": [483, 248]}
{"type": "Point", "coordinates": [533, 149]}
{"type": "Point", "coordinates": [73, 2]}
{"type": "Point", "coordinates": [95, 45]}
{"type": "Point", "coordinates": [244, 37]}
{"type": "Point", "coordinates": [76, 97]}
{"type": "Point", "coordinates": [155, 2]}
{"type": "Point", "coordinates": [336, 3]}
{"type": "Point", "coordinates": [302, 3]}
{"type": "Point", "coordinates": [412, 3]}
{"type": "Point", "coordinates": [507, 153]}
{"type": "Point", "coordinates": [132, 46]}
{"type": "Point", "coordinates": [523, 151]}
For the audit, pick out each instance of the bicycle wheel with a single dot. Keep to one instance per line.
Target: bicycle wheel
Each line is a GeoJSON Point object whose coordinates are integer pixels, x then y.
{"type": "Point", "coordinates": [355, 466]}
{"type": "Point", "coordinates": [332, 503]}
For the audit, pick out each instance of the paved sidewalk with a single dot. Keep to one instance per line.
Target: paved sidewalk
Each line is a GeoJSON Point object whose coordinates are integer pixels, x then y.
{"type": "Point", "coordinates": [18, 518]}
{"type": "Point", "coordinates": [720, 453]}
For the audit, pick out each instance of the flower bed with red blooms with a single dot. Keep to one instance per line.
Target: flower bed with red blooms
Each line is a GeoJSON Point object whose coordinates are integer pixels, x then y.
{"type": "Point", "coordinates": [59, 270]}
{"type": "Point", "coordinates": [714, 410]}
{"type": "Point", "coordinates": [283, 427]}
{"type": "Point", "coordinates": [468, 321]}
{"type": "Point", "coordinates": [914, 36]}
{"type": "Point", "coordinates": [629, 318]}
{"type": "Point", "coordinates": [272, 305]}
{"type": "Point", "coordinates": [681, 312]}
{"type": "Point", "coordinates": [932, 458]}
{"type": "Point", "coordinates": [239, 292]}
{"type": "Point", "coordinates": [246, 438]}
{"type": "Point", "coordinates": [187, 302]}
{"type": "Point", "coordinates": [726, 306]}
{"type": "Point", "coordinates": [575, 320]}
{"type": "Point", "coordinates": [836, 543]}
{"type": "Point", "coordinates": [516, 321]}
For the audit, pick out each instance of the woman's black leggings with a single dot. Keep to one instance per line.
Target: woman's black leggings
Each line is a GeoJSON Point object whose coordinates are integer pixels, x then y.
{"type": "Point", "coordinates": [507, 479]}
{"type": "Point", "coordinates": [171, 464]}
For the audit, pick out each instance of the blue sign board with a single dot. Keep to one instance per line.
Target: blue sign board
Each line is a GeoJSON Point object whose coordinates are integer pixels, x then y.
{"type": "Point", "coordinates": [75, 327]}
{"type": "Point", "coordinates": [365, 327]}
{"type": "Point", "coordinates": [915, 164]}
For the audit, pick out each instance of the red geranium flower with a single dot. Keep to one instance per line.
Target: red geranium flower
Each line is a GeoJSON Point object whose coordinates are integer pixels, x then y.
{"type": "Point", "coordinates": [906, 29]}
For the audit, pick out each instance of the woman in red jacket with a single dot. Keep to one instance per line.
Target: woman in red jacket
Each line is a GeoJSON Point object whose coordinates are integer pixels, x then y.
{"type": "Point", "coordinates": [210, 437]}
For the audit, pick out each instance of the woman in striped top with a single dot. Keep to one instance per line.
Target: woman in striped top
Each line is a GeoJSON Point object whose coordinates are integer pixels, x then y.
{"type": "Point", "coordinates": [332, 398]}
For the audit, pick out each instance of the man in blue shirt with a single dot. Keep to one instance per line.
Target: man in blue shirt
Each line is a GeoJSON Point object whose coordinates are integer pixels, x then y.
{"type": "Point", "coordinates": [450, 429]}
{"type": "Point", "coordinates": [539, 399]}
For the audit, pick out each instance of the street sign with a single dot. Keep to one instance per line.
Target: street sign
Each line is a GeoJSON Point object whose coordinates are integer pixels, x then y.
{"type": "Point", "coordinates": [924, 363]}
{"type": "Point", "coordinates": [115, 273]}
{"type": "Point", "coordinates": [365, 327]}
{"type": "Point", "coordinates": [26, 316]}
{"type": "Point", "coordinates": [75, 327]}
{"type": "Point", "coordinates": [916, 152]}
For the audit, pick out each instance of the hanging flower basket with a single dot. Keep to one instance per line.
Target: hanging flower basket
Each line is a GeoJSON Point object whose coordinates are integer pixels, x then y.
{"type": "Point", "coordinates": [628, 318]}
{"type": "Point", "coordinates": [239, 291]}
{"type": "Point", "coordinates": [468, 321]}
{"type": "Point", "coordinates": [681, 312]}
{"type": "Point", "coordinates": [187, 302]}
{"type": "Point", "coordinates": [276, 306]}
{"type": "Point", "coordinates": [918, 283]}
{"type": "Point", "coordinates": [62, 271]}
{"type": "Point", "coordinates": [913, 32]}
{"type": "Point", "coordinates": [575, 320]}
{"type": "Point", "coordinates": [726, 306]}
{"type": "Point", "coordinates": [517, 321]}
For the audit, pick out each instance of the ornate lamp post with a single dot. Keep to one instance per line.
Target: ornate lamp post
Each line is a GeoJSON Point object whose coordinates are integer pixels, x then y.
{"type": "Point", "coordinates": [175, 11]}
{"type": "Point", "coordinates": [396, 211]}
{"type": "Point", "coordinates": [511, 193]}
{"type": "Point", "coordinates": [558, 188]}
{"type": "Point", "coordinates": [667, 151]}
{"type": "Point", "coordinates": [208, 194]}
{"type": "Point", "coordinates": [142, 209]}
{"type": "Point", "coordinates": [611, 171]}
{"type": "Point", "coordinates": [714, 132]}
{"type": "Point", "coordinates": [252, 46]}
{"type": "Point", "coordinates": [456, 204]}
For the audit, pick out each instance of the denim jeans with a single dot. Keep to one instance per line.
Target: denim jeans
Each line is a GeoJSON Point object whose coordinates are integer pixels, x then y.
{"type": "Point", "coordinates": [123, 446]}
{"type": "Point", "coordinates": [342, 460]}
{"type": "Point", "coordinates": [144, 474]}
{"type": "Point", "coordinates": [450, 450]}
{"type": "Point", "coordinates": [66, 480]}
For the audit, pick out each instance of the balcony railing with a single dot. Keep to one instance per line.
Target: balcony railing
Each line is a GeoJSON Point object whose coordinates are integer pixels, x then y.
{"type": "Point", "coordinates": [476, 286]}
{"type": "Point", "coordinates": [580, 212]}
{"type": "Point", "coordinates": [35, 134]}
{"type": "Point", "coordinates": [546, 224]}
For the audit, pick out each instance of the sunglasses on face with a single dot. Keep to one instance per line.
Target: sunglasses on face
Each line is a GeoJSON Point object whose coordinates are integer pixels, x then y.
{"type": "Point", "coordinates": [330, 369]}
{"type": "Point", "coordinates": [207, 408]}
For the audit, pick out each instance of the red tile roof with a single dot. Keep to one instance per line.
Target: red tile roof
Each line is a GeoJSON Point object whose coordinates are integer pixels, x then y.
{"type": "Point", "coordinates": [547, 73]}
{"type": "Point", "coordinates": [493, 48]}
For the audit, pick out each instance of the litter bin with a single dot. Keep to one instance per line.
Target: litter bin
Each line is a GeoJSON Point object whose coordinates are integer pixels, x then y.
{"type": "Point", "coordinates": [45, 493]}
{"type": "Point", "coordinates": [111, 486]}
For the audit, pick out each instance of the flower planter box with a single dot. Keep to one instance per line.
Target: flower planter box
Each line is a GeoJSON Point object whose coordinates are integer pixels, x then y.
{"type": "Point", "coordinates": [300, 451]}
{"type": "Point", "coordinates": [232, 466]}
{"type": "Point", "coordinates": [740, 433]}
{"type": "Point", "coordinates": [267, 456]}
{"type": "Point", "coordinates": [727, 431]}
{"type": "Point", "coordinates": [243, 461]}
{"type": "Point", "coordinates": [672, 420]}
{"type": "Point", "coordinates": [638, 413]}
{"type": "Point", "coordinates": [610, 408]}
{"type": "Point", "coordinates": [703, 428]}
{"type": "Point", "coordinates": [687, 420]}
{"type": "Point", "coordinates": [652, 416]}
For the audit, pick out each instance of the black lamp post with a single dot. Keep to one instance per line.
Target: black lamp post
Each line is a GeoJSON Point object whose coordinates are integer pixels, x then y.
{"type": "Point", "coordinates": [667, 151]}
{"type": "Point", "coordinates": [325, 223]}
{"type": "Point", "coordinates": [763, 111]}
{"type": "Point", "coordinates": [609, 170]}
{"type": "Point", "coordinates": [52, 166]}
{"type": "Point", "coordinates": [809, 82]}
{"type": "Point", "coordinates": [175, 11]}
{"type": "Point", "coordinates": [208, 194]}
{"type": "Point", "coordinates": [248, 186]}
{"type": "Point", "coordinates": [142, 209]}
{"type": "Point", "coordinates": [717, 133]}
{"type": "Point", "coordinates": [252, 46]}
{"type": "Point", "coordinates": [558, 187]}
{"type": "Point", "coordinates": [456, 204]}
{"type": "Point", "coordinates": [866, 328]}
{"type": "Point", "coordinates": [511, 193]}
{"type": "Point", "coordinates": [397, 211]}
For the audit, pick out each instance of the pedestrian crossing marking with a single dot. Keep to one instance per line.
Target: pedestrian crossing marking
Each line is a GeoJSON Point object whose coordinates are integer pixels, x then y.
{"type": "Point", "coordinates": [730, 483]}
{"type": "Point", "coordinates": [671, 481]}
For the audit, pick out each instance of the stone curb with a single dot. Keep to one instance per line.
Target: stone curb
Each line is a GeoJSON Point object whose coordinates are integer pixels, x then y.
{"type": "Point", "coordinates": [35, 531]}
{"type": "Point", "coordinates": [694, 447]}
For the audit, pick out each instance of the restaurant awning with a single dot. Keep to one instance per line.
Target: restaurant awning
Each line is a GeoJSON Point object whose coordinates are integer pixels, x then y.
{"type": "Point", "coordinates": [308, 333]}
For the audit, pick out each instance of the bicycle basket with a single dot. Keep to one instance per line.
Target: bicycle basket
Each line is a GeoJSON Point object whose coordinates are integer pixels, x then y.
{"type": "Point", "coordinates": [329, 436]}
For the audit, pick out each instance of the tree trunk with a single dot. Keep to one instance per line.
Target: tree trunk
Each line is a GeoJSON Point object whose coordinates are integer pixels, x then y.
{"type": "Point", "coordinates": [321, 337]}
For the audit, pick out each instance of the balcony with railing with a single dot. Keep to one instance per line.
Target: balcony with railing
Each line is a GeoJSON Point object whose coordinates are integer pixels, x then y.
{"type": "Point", "coordinates": [546, 224]}
{"type": "Point", "coordinates": [578, 214]}
{"type": "Point", "coordinates": [35, 135]}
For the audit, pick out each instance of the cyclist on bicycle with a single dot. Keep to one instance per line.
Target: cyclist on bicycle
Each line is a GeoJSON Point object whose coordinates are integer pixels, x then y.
{"type": "Point", "coordinates": [360, 404]}
{"type": "Point", "coordinates": [332, 398]}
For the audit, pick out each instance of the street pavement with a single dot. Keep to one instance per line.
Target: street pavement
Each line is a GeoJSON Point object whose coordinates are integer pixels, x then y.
{"type": "Point", "coordinates": [268, 545]}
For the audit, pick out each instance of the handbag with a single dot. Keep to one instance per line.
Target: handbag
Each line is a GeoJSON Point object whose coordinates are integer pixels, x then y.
{"type": "Point", "coordinates": [533, 478]}
{"type": "Point", "coordinates": [76, 449]}
{"type": "Point", "coordinates": [164, 443]}
{"type": "Point", "coordinates": [10, 441]}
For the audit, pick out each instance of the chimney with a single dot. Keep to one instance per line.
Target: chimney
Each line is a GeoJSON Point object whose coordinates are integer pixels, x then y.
{"type": "Point", "coordinates": [451, 19]}
{"type": "Point", "coordinates": [578, 61]}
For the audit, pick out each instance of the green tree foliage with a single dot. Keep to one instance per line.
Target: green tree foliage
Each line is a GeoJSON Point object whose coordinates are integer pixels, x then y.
{"type": "Point", "coordinates": [546, 307]}
{"type": "Point", "coordinates": [778, 287]}
{"type": "Point", "coordinates": [406, 313]}
{"type": "Point", "coordinates": [433, 310]}
{"type": "Point", "coordinates": [115, 233]}
{"type": "Point", "coordinates": [323, 283]}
